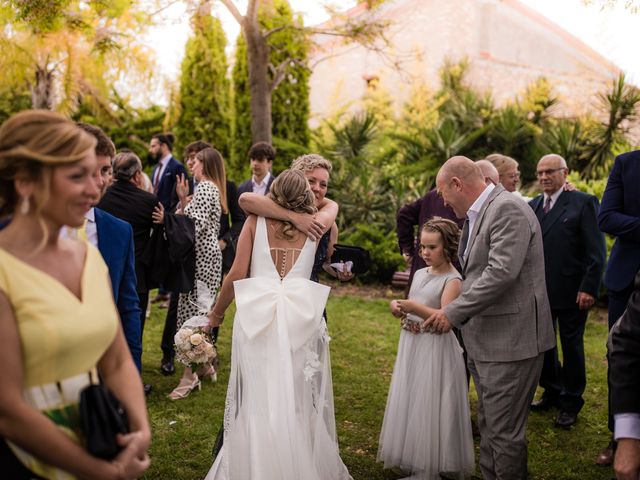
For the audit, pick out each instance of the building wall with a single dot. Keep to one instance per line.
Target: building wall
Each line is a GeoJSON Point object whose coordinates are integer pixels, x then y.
{"type": "Point", "coordinates": [508, 45]}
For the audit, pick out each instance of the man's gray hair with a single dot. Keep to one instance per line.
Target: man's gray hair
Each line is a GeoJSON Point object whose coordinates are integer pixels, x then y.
{"type": "Point", "coordinates": [125, 166]}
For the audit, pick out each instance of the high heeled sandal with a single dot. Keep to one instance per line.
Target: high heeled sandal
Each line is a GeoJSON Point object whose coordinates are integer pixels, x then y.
{"type": "Point", "coordinates": [184, 389]}
{"type": "Point", "coordinates": [207, 372]}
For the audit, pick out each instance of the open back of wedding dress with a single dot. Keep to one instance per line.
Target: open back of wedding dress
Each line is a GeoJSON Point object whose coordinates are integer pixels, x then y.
{"type": "Point", "coordinates": [279, 421]}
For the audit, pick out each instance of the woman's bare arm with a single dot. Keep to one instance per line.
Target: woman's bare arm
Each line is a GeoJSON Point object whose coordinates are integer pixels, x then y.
{"type": "Point", "coordinates": [313, 226]}
{"type": "Point", "coordinates": [238, 271]}
{"type": "Point", "coordinates": [30, 429]}
{"type": "Point", "coordinates": [449, 294]}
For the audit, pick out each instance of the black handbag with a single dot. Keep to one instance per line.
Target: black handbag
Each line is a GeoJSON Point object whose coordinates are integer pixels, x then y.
{"type": "Point", "coordinates": [358, 255]}
{"type": "Point", "coordinates": [102, 417]}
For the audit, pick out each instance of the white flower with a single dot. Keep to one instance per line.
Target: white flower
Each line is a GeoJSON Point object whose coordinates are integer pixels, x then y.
{"type": "Point", "coordinates": [196, 339]}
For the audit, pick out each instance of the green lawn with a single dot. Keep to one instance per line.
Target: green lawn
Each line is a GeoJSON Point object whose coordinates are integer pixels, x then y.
{"type": "Point", "coordinates": [363, 347]}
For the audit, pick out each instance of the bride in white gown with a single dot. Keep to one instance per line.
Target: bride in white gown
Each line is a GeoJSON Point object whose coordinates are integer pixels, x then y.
{"type": "Point", "coordinates": [279, 420]}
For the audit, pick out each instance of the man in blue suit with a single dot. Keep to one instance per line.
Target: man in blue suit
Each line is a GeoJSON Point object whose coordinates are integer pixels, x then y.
{"type": "Point", "coordinates": [574, 257]}
{"type": "Point", "coordinates": [166, 169]}
{"type": "Point", "coordinates": [114, 239]}
{"type": "Point", "coordinates": [620, 216]}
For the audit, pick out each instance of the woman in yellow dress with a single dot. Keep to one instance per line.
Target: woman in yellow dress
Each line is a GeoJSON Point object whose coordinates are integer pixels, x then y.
{"type": "Point", "coordinates": [58, 321]}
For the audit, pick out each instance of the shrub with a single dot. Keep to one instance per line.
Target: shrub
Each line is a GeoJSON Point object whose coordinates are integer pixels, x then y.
{"type": "Point", "coordinates": [383, 248]}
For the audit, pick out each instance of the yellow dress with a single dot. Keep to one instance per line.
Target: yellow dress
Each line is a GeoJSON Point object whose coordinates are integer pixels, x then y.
{"type": "Point", "coordinates": [62, 339]}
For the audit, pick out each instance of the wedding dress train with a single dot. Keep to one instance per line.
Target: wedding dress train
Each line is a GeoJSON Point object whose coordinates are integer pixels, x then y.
{"type": "Point", "coordinates": [279, 419]}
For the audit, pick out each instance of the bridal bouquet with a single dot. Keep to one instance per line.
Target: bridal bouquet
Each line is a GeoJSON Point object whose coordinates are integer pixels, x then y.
{"type": "Point", "coordinates": [194, 346]}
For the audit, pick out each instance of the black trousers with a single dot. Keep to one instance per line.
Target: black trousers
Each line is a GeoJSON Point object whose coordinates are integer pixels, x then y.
{"type": "Point", "coordinates": [566, 382]}
{"type": "Point", "coordinates": [617, 305]}
{"type": "Point", "coordinates": [144, 302]}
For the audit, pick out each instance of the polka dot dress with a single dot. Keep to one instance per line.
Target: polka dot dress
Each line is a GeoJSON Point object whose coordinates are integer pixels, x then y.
{"type": "Point", "coordinates": [205, 209]}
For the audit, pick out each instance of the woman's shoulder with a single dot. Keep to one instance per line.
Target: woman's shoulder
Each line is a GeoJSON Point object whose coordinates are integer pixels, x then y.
{"type": "Point", "coordinates": [207, 186]}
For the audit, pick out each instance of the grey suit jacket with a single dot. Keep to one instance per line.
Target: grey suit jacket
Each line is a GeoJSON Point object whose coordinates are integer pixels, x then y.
{"type": "Point", "coordinates": [503, 309]}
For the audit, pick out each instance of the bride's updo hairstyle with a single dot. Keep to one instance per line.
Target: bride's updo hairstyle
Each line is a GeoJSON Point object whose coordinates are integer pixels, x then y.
{"type": "Point", "coordinates": [32, 143]}
{"type": "Point", "coordinates": [450, 234]}
{"type": "Point", "coordinates": [291, 190]}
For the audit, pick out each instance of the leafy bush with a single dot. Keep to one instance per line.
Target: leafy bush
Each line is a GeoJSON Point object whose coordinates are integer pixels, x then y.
{"type": "Point", "coordinates": [383, 248]}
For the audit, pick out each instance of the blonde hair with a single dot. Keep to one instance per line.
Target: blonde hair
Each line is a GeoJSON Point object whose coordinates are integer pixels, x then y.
{"type": "Point", "coordinates": [311, 161]}
{"type": "Point", "coordinates": [502, 163]}
{"type": "Point", "coordinates": [213, 169]}
{"type": "Point", "coordinates": [291, 190]}
{"type": "Point", "coordinates": [34, 142]}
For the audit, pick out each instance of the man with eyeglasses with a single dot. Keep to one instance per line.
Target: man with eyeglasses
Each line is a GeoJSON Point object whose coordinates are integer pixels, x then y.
{"type": "Point", "coordinates": [574, 257]}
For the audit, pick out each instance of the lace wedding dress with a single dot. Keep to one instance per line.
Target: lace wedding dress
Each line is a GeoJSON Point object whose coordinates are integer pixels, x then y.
{"type": "Point", "coordinates": [279, 420]}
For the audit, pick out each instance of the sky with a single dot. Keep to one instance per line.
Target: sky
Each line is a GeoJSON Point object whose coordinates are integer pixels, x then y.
{"type": "Point", "coordinates": [612, 32]}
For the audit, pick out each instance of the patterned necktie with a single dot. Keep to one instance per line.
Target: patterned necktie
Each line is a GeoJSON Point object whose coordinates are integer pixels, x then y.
{"type": "Point", "coordinates": [547, 205]}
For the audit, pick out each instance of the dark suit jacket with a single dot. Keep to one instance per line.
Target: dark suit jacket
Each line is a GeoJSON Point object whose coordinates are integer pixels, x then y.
{"type": "Point", "coordinates": [414, 215]}
{"type": "Point", "coordinates": [574, 248]}
{"type": "Point", "coordinates": [135, 206]}
{"type": "Point", "coordinates": [115, 242]}
{"type": "Point", "coordinates": [624, 358]}
{"type": "Point", "coordinates": [620, 216]}
{"type": "Point", "coordinates": [247, 186]}
{"type": "Point", "coordinates": [169, 256]}
{"type": "Point", "coordinates": [167, 184]}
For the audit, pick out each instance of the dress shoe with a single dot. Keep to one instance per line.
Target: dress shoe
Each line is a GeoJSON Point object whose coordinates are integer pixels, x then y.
{"type": "Point", "coordinates": [545, 403]}
{"type": "Point", "coordinates": [147, 389]}
{"type": "Point", "coordinates": [166, 367]}
{"type": "Point", "coordinates": [605, 457]}
{"type": "Point", "coordinates": [160, 298]}
{"type": "Point", "coordinates": [566, 420]}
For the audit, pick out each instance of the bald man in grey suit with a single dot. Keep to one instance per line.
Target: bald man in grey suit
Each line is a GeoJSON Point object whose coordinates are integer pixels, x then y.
{"type": "Point", "coordinates": [502, 311]}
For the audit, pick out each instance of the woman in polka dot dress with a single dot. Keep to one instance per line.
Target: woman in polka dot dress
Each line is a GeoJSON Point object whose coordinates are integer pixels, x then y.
{"type": "Point", "coordinates": [209, 200]}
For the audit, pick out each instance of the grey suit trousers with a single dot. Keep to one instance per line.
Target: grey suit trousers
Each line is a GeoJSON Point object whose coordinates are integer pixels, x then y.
{"type": "Point", "coordinates": [505, 391]}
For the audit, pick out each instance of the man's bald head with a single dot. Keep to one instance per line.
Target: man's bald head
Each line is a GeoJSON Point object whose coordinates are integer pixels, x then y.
{"type": "Point", "coordinates": [489, 172]}
{"type": "Point", "coordinates": [462, 168]}
{"type": "Point", "coordinates": [460, 182]}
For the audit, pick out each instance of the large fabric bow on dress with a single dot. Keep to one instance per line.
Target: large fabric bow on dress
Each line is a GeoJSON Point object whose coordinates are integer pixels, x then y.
{"type": "Point", "coordinates": [296, 303]}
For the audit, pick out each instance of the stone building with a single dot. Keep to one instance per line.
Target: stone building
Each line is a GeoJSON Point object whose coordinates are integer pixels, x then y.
{"type": "Point", "coordinates": [507, 44]}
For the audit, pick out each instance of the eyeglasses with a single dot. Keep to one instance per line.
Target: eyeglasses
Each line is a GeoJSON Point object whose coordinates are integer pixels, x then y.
{"type": "Point", "coordinates": [512, 176]}
{"type": "Point", "coordinates": [548, 172]}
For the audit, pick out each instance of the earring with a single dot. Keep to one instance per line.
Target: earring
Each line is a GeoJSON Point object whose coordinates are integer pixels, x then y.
{"type": "Point", "coordinates": [25, 206]}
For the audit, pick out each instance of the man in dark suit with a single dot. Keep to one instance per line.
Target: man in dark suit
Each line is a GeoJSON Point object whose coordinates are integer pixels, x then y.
{"type": "Point", "coordinates": [624, 386]}
{"type": "Point", "coordinates": [574, 257]}
{"type": "Point", "coordinates": [126, 200]}
{"type": "Point", "coordinates": [114, 239]}
{"type": "Point", "coordinates": [620, 216]}
{"type": "Point", "coordinates": [166, 170]}
{"type": "Point", "coordinates": [261, 156]}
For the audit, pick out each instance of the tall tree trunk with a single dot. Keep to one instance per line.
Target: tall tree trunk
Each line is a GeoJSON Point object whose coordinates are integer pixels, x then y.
{"type": "Point", "coordinates": [42, 91]}
{"type": "Point", "coordinates": [259, 86]}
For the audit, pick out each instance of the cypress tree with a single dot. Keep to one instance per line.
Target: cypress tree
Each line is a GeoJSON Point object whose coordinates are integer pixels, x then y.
{"type": "Point", "coordinates": [204, 99]}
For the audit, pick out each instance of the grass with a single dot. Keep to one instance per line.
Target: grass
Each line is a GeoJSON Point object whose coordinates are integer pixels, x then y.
{"type": "Point", "coordinates": [363, 348]}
